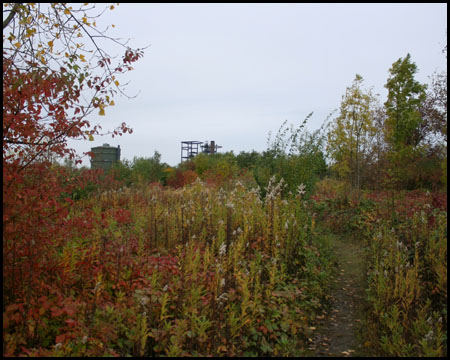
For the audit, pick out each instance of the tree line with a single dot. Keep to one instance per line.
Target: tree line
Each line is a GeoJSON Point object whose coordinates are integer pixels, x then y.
{"type": "Point", "coordinates": [53, 81]}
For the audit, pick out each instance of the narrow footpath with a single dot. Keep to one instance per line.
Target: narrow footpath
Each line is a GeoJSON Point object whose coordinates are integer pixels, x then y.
{"type": "Point", "coordinates": [338, 332]}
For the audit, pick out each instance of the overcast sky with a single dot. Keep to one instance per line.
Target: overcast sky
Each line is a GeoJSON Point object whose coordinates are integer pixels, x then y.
{"type": "Point", "coordinates": [233, 72]}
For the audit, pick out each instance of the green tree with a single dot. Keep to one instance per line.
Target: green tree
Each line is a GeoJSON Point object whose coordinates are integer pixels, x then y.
{"type": "Point", "coordinates": [406, 125]}
{"type": "Point", "coordinates": [148, 169]}
{"type": "Point", "coordinates": [247, 160]}
{"type": "Point", "coordinates": [405, 95]}
{"type": "Point", "coordinates": [352, 133]}
{"type": "Point", "coordinates": [122, 171]}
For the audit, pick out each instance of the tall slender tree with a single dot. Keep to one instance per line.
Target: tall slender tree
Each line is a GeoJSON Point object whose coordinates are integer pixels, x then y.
{"type": "Point", "coordinates": [405, 95]}
{"type": "Point", "coordinates": [352, 132]}
{"type": "Point", "coordinates": [404, 124]}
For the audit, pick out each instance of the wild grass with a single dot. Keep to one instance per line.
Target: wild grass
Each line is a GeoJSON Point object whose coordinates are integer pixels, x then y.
{"type": "Point", "coordinates": [405, 235]}
{"type": "Point", "coordinates": [192, 271]}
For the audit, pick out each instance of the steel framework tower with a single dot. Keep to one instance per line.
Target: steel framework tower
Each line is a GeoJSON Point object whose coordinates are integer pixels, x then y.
{"type": "Point", "coordinates": [189, 149]}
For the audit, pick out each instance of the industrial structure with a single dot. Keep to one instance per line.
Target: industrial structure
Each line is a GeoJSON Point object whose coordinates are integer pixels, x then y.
{"type": "Point", "coordinates": [105, 156]}
{"type": "Point", "coordinates": [189, 149]}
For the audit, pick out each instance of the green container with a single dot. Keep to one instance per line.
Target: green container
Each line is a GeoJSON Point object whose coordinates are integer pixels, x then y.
{"type": "Point", "coordinates": [105, 156]}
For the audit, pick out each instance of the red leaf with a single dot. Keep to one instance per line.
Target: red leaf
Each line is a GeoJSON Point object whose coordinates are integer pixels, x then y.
{"type": "Point", "coordinates": [70, 310]}
{"type": "Point", "coordinates": [60, 338]}
{"type": "Point", "coordinates": [70, 322]}
{"type": "Point", "coordinates": [56, 311]}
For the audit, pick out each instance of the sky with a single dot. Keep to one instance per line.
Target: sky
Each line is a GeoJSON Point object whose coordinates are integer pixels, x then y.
{"type": "Point", "coordinates": [232, 73]}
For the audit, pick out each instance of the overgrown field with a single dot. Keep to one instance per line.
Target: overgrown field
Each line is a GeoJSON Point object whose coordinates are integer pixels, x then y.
{"type": "Point", "coordinates": [218, 255]}
{"type": "Point", "coordinates": [150, 271]}
{"type": "Point", "coordinates": [406, 238]}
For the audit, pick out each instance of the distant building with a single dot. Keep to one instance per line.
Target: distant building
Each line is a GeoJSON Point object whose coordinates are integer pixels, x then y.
{"type": "Point", "coordinates": [105, 156]}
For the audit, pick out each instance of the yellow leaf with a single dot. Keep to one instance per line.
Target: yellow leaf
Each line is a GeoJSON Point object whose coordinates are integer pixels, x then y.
{"type": "Point", "coordinates": [91, 138]}
{"type": "Point", "coordinates": [30, 32]}
{"type": "Point", "coordinates": [116, 82]}
{"type": "Point", "coordinates": [17, 44]}
{"type": "Point", "coordinates": [82, 58]}
{"type": "Point", "coordinates": [102, 112]}
{"type": "Point", "coordinates": [113, 25]}
{"type": "Point", "coordinates": [50, 43]}
{"type": "Point", "coordinates": [111, 7]}
{"type": "Point", "coordinates": [112, 103]}
{"type": "Point", "coordinates": [84, 20]}
{"type": "Point", "coordinates": [67, 11]}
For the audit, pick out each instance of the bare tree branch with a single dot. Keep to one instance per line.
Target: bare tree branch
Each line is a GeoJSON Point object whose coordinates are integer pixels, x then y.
{"type": "Point", "coordinates": [11, 15]}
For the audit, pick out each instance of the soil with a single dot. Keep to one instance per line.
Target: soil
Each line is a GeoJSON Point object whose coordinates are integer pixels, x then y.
{"type": "Point", "coordinates": [339, 332]}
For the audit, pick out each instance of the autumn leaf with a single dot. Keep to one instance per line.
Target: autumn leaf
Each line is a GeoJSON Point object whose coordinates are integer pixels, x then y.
{"type": "Point", "coordinates": [60, 338]}
{"type": "Point", "coordinates": [56, 311]}
{"type": "Point", "coordinates": [70, 322]}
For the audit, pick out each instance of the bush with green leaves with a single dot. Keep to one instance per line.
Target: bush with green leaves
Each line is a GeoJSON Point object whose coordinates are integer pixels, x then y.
{"type": "Point", "coordinates": [295, 155]}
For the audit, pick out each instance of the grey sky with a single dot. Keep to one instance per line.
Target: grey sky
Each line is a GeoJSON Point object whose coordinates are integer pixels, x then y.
{"type": "Point", "coordinates": [233, 72]}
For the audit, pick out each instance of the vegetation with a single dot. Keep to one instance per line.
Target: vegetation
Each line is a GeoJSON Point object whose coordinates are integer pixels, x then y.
{"type": "Point", "coordinates": [407, 265]}
{"type": "Point", "coordinates": [220, 255]}
{"type": "Point", "coordinates": [350, 141]}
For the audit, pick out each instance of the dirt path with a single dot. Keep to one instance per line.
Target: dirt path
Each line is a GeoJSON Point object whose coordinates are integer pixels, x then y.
{"type": "Point", "coordinates": [337, 334]}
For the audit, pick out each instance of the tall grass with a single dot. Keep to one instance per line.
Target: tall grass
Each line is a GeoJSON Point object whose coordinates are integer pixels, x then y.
{"type": "Point", "coordinates": [192, 271]}
{"type": "Point", "coordinates": [408, 286]}
{"type": "Point", "coordinates": [406, 242]}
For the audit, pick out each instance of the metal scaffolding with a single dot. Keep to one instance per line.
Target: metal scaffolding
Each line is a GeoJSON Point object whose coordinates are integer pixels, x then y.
{"type": "Point", "coordinates": [189, 149]}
